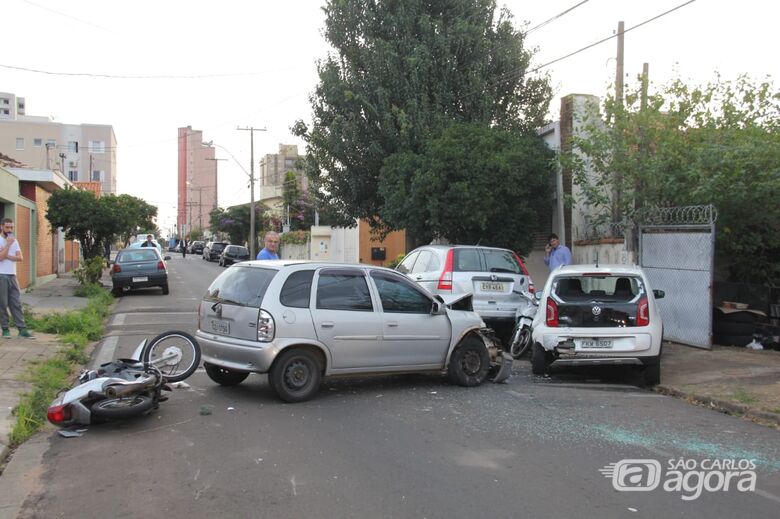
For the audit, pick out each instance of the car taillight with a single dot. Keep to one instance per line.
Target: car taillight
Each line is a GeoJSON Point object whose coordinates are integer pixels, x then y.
{"type": "Point", "coordinates": [266, 328]}
{"type": "Point", "coordinates": [116, 268]}
{"type": "Point", "coordinates": [445, 281]}
{"type": "Point", "coordinates": [552, 313]}
{"type": "Point", "coordinates": [58, 414]}
{"type": "Point", "coordinates": [643, 312]}
{"type": "Point", "coordinates": [160, 265]}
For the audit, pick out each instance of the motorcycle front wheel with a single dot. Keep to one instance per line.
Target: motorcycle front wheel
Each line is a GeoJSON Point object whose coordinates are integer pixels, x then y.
{"type": "Point", "coordinates": [122, 407]}
{"type": "Point", "coordinates": [521, 340]}
{"type": "Point", "coordinates": [176, 354]}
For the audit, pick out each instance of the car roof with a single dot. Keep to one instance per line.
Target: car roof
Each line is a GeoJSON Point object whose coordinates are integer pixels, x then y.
{"type": "Point", "coordinates": [447, 247]}
{"type": "Point", "coordinates": [592, 268]}
{"type": "Point", "coordinates": [284, 263]}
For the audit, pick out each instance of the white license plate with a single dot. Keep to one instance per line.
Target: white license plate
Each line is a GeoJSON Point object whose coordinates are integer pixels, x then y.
{"type": "Point", "coordinates": [142, 279]}
{"type": "Point", "coordinates": [594, 344]}
{"type": "Point", "coordinates": [220, 326]}
{"type": "Point", "coordinates": [492, 286]}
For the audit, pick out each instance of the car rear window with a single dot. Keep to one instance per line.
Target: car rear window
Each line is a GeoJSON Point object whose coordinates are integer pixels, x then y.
{"type": "Point", "coordinates": [616, 289]}
{"type": "Point", "coordinates": [239, 250]}
{"type": "Point", "coordinates": [498, 260]}
{"type": "Point", "coordinates": [297, 289]}
{"type": "Point", "coordinates": [217, 246]}
{"type": "Point", "coordinates": [137, 255]}
{"type": "Point", "coordinates": [244, 286]}
{"type": "Point", "coordinates": [467, 260]}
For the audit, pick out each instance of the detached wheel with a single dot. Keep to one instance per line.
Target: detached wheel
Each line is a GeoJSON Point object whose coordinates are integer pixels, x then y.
{"type": "Point", "coordinates": [469, 363]}
{"type": "Point", "coordinates": [539, 359]}
{"type": "Point", "coordinates": [123, 407]}
{"type": "Point", "coordinates": [223, 376]}
{"type": "Point", "coordinates": [295, 376]}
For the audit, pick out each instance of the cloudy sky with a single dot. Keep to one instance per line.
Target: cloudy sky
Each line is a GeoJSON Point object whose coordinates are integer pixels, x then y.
{"type": "Point", "coordinates": [218, 65]}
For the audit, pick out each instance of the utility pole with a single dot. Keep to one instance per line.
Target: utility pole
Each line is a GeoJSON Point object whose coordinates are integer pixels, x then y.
{"type": "Point", "coordinates": [619, 68]}
{"type": "Point", "coordinates": [251, 131]}
{"type": "Point", "coordinates": [618, 176]}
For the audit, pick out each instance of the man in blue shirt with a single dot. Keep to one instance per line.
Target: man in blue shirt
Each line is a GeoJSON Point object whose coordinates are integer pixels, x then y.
{"type": "Point", "coordinates": [269, 252]}
{"type": "Point", "coordinates": [556, 254]}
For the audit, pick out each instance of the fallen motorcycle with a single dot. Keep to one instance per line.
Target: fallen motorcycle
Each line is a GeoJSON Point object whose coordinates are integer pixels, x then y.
{"type": "Point", "coordinates": [128, 387]}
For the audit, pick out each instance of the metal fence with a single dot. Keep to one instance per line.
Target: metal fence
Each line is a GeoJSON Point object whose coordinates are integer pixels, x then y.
{"type": "Point", "coordinates": [676, 251]}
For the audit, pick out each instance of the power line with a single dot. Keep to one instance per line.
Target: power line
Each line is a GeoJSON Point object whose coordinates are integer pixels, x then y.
{"type": "Point", "coordinates": [129, 76]}
{"type": "Point", "coordinates": [539, 26]}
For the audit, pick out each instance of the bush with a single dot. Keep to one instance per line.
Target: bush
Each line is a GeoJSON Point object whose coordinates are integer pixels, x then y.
{"type": "Point", "coordinates": [91, 271]}
{"type": "Point", "coordinates": [398, 259]}
{"type": "Point", "coordinates": [294, 238]}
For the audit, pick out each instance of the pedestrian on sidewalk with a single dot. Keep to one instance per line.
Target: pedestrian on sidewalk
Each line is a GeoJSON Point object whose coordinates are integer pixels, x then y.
{"type": "Point", "coordinates": [269, 252]}
{"type": "Point", "coordinates": [10, 295]}
{"type": "Point", "coordinates": [555, 254]}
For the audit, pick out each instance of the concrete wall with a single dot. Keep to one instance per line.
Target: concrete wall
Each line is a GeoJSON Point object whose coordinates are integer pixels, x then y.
{"type": "Point", "coordinates": [338, 244]}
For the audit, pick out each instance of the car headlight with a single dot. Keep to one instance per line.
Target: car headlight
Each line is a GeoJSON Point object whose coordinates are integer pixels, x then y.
{"type": "Point", "coordinates": [266, 328]}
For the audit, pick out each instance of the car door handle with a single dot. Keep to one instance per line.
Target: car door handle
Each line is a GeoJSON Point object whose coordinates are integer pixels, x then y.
{"type": "Point", "coordinates": [392, 323]}
{"type": "Point", "coordinates": [417, 278]}
{"type": "Point", "coordinates": [327, 324]}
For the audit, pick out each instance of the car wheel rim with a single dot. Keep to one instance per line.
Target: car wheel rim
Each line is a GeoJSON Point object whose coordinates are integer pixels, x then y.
{"type": "Point", "coordinates": [297, 375]}
{"type": "Point", "coordinates": [471, 363]}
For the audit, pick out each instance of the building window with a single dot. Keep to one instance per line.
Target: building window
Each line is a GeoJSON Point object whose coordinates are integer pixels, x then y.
{"type": "Point", "coordinates": [5, 111]}
{"type": "Point", "coordinates": [37, 143]}
{"type": "Point", "coordinates": [20, 143]}
{"type": "Point", "coordinates": [97, 176]}
{"type": "Point", "coordinates": [73, 176]}
{"type": "Point", "coordinates": [5, 101]}
{"type": "Point", "coordinates": [73, 163]}
{"type": "Point", "coordinates": [289, 163]}
{"type": "Point", "coordinates": [73, 146]}
{"type": "Point", "coordinates": [97, 146]}
{"type": "Point", "coordinates": [51, 143]}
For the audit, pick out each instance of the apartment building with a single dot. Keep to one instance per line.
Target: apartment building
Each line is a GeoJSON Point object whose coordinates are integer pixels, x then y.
{"type": "Point", "coordinates": [197, 181]}
{"type": "Point", "coordinates": [81, 152]}
{"type": "Point", "coordinates": [273, 169]}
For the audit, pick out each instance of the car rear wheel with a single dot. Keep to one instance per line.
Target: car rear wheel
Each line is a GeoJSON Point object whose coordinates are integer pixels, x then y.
{"type": "Point", "coordinates": [295, 376]}
{"type": "Point", "coordinates": [469, 363]}
{"type": "Point", "coordinates": [651, 374]}
{"type": "Point", "coordinates": [223, 376]}
{"type": "Point", "coordinates": [539, 359]}
{"type": "Point", "coordinates": [165, 289]}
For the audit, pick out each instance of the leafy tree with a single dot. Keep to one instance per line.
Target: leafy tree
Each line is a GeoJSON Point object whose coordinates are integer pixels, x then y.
{"type": "Point", "coordinates": [400, 73]}
{"type": "Point", "coordinates": [235, 221]}
{"type": "Point", "coordinates": [446, 198]}
{"type": "Point", "coordinates": [97, 222]}
{"type": "Point", "coordinates": [691, 145]}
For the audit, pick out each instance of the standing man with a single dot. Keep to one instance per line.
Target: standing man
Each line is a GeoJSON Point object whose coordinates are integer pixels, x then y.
{"type": "Point", "coordinates": [10, 296]}
{"type": "Point", "coordinates": [148, 242]}
{"type": "Point", "coordinates": [183, 247]}
{"type": "Point", "coordinates": [269, 252]}
{"type": "Point", "coordinates": [556, 254]}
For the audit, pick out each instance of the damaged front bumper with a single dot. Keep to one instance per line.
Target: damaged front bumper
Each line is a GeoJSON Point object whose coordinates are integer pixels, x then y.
{"type": "Point", "coordinates": [500, 361]}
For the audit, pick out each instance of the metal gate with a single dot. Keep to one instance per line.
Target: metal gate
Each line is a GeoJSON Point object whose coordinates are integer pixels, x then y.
{"type": "Point", "coordinates": [677, 251]}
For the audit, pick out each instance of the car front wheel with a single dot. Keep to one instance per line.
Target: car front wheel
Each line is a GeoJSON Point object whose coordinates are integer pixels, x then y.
{"type": "Point", "coordinates": [469, 363]}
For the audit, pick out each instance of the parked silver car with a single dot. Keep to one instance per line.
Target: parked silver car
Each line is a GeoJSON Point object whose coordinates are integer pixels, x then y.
{"type": "Point", "coordinates": [494, 276]}
{"type": "Point", "coordinates": [300, 321]}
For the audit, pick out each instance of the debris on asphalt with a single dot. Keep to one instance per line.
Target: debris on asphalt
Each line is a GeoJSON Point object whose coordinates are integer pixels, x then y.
{"type": "Point", "coordinates": [76, 433]}
{"type": "Point", "coordinates": [231, 408]}
{"type": "Point", "coordinates": [180, 385]}
{"type": "Point", "coordinates": [754, 345]}
{"type": "Point", "coordinates": [205, 410]}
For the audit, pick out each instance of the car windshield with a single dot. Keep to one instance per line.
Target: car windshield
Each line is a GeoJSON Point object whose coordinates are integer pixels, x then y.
{"type": "Point", "coordinates": [217, 247]}
{"type": "Point", "coordinates": [244, 286]}
{"type": "Point", "coordinates": [137, 255]}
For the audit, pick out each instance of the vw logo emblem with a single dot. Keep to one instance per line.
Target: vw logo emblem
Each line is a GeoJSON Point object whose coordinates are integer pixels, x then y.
{"type": "Point", "coordinates": [596, 310]}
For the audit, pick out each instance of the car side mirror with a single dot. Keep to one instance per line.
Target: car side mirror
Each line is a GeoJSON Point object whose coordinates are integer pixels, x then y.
{"type": "Point", "coordinates": [538, 296]}
{"type": "Point", "coordinates": [438, 308]}
{"type": "Point", "coordinates": [166, 258]}
{"type": "Point", "coordinates": [659, 294]}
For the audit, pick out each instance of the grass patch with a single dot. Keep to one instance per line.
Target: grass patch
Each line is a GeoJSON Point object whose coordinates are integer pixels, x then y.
{"type": "Point", "coordinates": [743, 396]}
{"type": "Point", "coordinates": [76, 329]}
{"type": "Point", "coordinates": [89, 290]}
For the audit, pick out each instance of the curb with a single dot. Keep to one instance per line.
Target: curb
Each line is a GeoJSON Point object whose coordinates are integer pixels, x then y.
{"type": "Point", "coordinates": [724, 406]}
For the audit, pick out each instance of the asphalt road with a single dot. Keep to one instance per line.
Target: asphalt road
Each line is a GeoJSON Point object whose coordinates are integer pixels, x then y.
{"type": "Point", "coordinates": [393, 446]}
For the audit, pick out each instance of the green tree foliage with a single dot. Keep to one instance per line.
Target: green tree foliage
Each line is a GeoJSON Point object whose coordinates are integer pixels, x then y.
{"type": "Point", "coordinates": [235, 221]}
{"type": "Point", "coordinates": [400, 73]}
{"type": "Point", "coordinates": [692, 145]}
{"type": "Point", "coordinates": [95, 222]}
{"type": "Point", "coordinates": [446, 198]}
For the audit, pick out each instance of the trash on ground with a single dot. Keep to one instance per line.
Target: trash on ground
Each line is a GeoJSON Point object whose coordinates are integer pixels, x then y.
{"type": "Point", "coordinates": [66, 433]}
{"type": "Point", "coordinates": [205, 410]}
{"type": "Point", "coordinates": [231, 408]}
{"type": "Point", "coordinates": [754, 345]}
{"type": "Point", "coordinates": [180, 385]}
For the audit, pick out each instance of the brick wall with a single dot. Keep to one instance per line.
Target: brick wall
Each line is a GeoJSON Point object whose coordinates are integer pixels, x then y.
{"type": "Point", "coordinates": [72, 255]}
{"type": "Point", "coordinates": [45, 262]}
{"type": "Point", "coordinates": [23, 232]}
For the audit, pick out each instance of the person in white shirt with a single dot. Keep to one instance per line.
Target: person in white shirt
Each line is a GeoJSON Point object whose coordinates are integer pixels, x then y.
{"type": "Point", "coordinates": [10, 295]}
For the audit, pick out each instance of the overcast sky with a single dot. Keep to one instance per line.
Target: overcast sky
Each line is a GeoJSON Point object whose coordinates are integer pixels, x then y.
{"type": "Point", "coordinates": [268, 50]}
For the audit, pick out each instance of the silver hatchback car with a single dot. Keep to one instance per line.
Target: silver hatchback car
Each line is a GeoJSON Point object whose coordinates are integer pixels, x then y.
{"type": "Point", "coordinates": [492, 275]}
{"type": "Point", "coordinates": [300, 321]}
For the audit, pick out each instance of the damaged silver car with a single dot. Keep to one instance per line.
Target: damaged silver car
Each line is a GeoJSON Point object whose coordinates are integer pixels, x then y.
{"type": "Point", "coordinates": [301, 321]}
